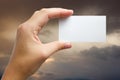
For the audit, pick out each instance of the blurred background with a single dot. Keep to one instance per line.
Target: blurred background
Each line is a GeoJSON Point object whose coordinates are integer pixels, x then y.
{"type": "Point", "coordinates": [84, 61]}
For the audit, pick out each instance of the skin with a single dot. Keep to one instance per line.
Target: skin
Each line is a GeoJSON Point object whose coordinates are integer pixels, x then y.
{"type": "Point", "coordinates": [29, 52]}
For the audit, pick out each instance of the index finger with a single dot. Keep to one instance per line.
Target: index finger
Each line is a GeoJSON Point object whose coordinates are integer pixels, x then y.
{"type": "Point", "coordinates": [40, 18]}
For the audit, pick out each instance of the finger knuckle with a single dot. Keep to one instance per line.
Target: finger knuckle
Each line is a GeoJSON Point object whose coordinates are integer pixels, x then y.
{"type": "Point", "coordinates": [60, 44]}
{"type": "Point", "coordinates": [22, 28]}
{"type": "Point", "coordinates": [44, 10]}
{"type": "Point", "coordinates": [36, 12]}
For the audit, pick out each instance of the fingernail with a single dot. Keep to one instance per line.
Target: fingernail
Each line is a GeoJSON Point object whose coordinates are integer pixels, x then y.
{"type": "Point", "coordinates": [67, 45]}
{"type": "Point", "coordinates": [71, 10]}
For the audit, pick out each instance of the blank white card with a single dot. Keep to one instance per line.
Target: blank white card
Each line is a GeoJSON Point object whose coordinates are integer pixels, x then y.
{"type": "Point", "coordinates": [83, 29]}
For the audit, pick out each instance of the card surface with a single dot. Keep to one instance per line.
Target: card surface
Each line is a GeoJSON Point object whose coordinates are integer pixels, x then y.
{"type": "Point", "coordinates": [83, 29]}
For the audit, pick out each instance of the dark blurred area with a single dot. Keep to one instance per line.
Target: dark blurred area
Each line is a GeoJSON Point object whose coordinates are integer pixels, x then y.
{"type": "Point", "coordinates": [23, 9]}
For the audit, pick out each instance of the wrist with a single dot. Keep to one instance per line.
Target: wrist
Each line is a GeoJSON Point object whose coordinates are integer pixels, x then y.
{"type": "Point", "coordinates": [12, 73]}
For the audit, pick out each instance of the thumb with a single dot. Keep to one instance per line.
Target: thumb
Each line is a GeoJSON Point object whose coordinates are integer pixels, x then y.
{"type": "Point", "coordinates": [56, 46]}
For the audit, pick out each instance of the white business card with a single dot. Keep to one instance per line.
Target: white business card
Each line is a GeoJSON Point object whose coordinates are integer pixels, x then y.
{"type": "Point", "coordinates": [83, 29]}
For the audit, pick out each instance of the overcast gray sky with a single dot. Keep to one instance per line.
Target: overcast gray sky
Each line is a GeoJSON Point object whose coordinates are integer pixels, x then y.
{"type": "Point", "coordinates": [85, 61]}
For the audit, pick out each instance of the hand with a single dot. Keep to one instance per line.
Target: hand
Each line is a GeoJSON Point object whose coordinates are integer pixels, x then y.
{"type": "Point", "coordinates": [29, 52]}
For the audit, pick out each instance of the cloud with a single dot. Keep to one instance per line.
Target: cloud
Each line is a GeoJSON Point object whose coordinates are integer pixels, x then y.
{"type": "Point", "coordinates": [6, 46]}
{"type": "Point", "coordinates": [112, 52]}
{"type": "Point", "coordinates": [103, 62]}
{"type": "Point", "coordinates": [43, 76]}
{"type": "Point", "coordinates": [94, 61]}
{"type": "Point", "coordinates": [49, 60]}
{"type": "Point", "coordinates": [113, 39]}
{"type": "Point", "coordinates": [51, 76]}
{"type": "Point", "coordinates": [3, 62]}
{"type": "Point", "coordinates": [21, 10]}
{"type": "Point", "coordinates": [73, 79]}
{"type": "Point", "coordinates": [1, 73]}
